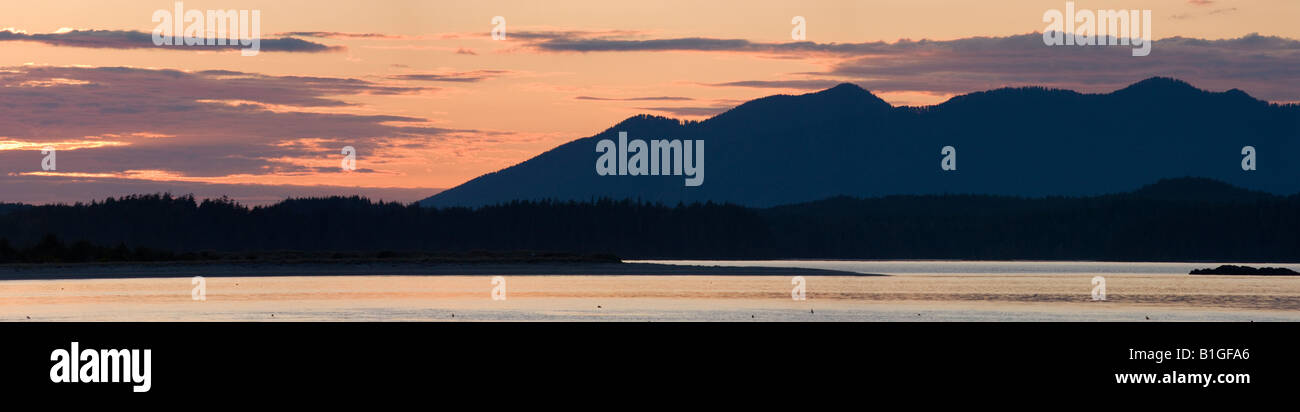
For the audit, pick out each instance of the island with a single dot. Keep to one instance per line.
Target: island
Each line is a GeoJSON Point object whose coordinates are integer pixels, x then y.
{"type": "Point", "coordinates": [1244, 271]}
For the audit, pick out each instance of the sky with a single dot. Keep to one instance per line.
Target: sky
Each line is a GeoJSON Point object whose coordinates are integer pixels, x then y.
{"type": "Point", "coordinates": [429, 99]}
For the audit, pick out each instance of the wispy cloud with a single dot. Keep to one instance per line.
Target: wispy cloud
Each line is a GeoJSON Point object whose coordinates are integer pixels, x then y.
{"type": "Point", "coordinates": [340, 35]}
{"type": "Point", "coordinates": [130, 39]}
{"type": "Point", "coordinates": [454, 77]}
{"type": "Point", "coordinates": [634, 99]}
{"type": "Point", "coordinates": [630, 41]}
{"type": "Point", "coordinates": [803, 84]}
{"type": "Point", "coordinates": [1195, 14]}
{"type": "Point", "coordinates": [195, 125]}
{"type": "Point", "coordinates": [1265, 66]}
{"type": "Point", "coordinates": [691, 111]}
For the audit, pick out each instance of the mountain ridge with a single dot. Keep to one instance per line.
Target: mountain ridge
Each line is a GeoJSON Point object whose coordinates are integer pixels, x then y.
{"type": "Point", "coordinates": [783, 149]}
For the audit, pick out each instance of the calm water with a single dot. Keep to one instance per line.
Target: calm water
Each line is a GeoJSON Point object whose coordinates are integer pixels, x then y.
{"type": "Point", "coordinates": [921, 291]}
{"type": "Point", "coordinates": [981, 268]}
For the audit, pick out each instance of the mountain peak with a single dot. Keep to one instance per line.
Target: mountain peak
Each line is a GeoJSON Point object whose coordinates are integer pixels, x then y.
{"type": "Point", "coordinates": [1160, 85]}
{"type": "Point", "coordinates": [647, 120]}
{"type": "Point", "coordinates": [1196, 189]}
{"type": "Point", "coordinates": [845, 88]}
{"type": "Point", "coordinates": [1170, 89]}
{"type": "Point", "coordinates": [849, 93]}
{"type": "Point", "coordinates": [838, 100]}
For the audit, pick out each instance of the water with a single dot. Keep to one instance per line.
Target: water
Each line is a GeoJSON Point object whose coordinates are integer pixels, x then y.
{"type": "Point", "coordinates": [980, 268]}
{"type": "Point", "coordinates": [921, 291]}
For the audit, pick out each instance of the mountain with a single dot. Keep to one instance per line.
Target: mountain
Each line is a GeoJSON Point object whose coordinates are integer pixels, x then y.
{"type": "Point", "coordinates": [1013, 141]}
{"type": "Point", "coordinates": [1198, 190]}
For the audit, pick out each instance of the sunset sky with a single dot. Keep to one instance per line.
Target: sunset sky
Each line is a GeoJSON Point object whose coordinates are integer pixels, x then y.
{"type": "Point", "coordinates": [430, 100]}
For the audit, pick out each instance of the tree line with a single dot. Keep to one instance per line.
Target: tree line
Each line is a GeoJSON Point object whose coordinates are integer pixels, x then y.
{"type": "Point", "coordinates": [1185, 221]}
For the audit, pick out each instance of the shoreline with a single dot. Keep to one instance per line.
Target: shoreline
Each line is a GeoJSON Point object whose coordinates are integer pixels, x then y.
{"type": "Point", "coordinates": [59, 271]}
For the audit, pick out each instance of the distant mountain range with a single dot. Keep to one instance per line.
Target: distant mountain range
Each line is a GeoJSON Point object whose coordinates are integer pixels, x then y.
{"type": "Point", "coordinates": [845, 141]}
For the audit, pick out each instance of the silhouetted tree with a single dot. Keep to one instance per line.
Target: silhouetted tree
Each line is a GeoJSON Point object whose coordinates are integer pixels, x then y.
{"type": "Point", "coordinates": [1182, 219]}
